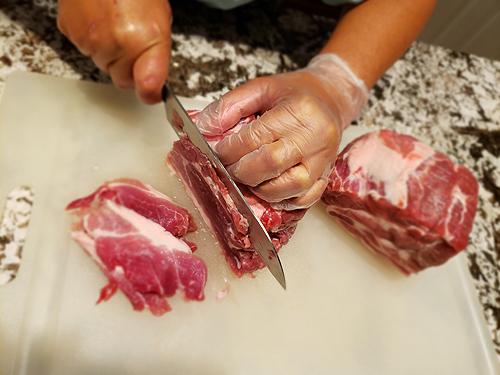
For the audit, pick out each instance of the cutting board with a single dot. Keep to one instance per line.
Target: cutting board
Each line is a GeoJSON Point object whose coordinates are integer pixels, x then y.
{"type": "Point", "coordinates": [345, 311]}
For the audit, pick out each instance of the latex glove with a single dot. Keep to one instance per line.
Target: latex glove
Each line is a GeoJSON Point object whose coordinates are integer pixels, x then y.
{"type": "Point", "coordinates": [130, 39]}
{"type": "Point", "coordinates": [287, 154]}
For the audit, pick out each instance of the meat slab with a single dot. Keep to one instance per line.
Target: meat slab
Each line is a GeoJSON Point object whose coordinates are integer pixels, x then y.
{"type": "Point", "coordinates": [135, 252]}
{"type": "Point", "coordinates": [217, 208]}
{"type": "Point", "coordinates": [406, 201]}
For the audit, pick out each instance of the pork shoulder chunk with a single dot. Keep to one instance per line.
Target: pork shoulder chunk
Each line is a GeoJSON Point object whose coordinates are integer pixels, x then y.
{"type": "Point", "coordinates": [406, 201]}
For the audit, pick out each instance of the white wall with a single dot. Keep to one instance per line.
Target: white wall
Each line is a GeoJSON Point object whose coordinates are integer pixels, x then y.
{"type": "Point", "coordinates": [465, 26]}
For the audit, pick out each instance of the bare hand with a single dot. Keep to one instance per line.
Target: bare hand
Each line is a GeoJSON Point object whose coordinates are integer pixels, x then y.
{"type": "Point", "coordinates": [130, 39]}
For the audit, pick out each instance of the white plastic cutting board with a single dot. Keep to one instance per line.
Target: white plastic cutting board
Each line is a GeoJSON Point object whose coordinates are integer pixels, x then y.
{"type": "Point", "coordinates": [345, 310]}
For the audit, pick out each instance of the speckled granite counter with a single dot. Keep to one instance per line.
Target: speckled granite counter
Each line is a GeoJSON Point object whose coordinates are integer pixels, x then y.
{"type": "Point", "coordinates": [449, 99]}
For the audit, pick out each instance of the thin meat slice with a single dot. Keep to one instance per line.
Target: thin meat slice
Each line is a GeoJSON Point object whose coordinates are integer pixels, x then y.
{"type": "Point", "coordinates": [144, 200]}
{"type": "Point", "coordinates": [407, 202]}
{"type": "Point", "coordinates": [138, 256]}
{"type": "Point", "coordinates": [219, 211]}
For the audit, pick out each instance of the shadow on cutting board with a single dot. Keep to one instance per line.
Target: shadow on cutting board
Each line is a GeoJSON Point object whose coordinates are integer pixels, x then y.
{"type": "Point", "coordinates": [383, 266]}
{"type": "Point", "coordinates": [71, 359]}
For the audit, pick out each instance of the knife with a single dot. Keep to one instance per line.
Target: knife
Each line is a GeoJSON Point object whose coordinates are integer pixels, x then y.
{"type": "Point", "coordinates": [259, 238]}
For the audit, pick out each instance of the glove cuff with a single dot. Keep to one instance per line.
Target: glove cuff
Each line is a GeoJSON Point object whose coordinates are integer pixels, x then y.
{"type": "Point", "coordinates": [337, 77]}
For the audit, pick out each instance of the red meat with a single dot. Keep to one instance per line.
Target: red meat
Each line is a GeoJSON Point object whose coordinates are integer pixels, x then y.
{"type": "Point", "coordinates": [137, 254]}
{"type": "Point", "coordinates": [144, 200]}
{"type": "Point", "coordinates": [406, 201]}
{"type": "Point", "coordinates": [218, 210]}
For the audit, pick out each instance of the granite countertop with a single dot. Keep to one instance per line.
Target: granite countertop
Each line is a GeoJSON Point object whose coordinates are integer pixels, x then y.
{"type": "Point", "coordinates": [451, 100]}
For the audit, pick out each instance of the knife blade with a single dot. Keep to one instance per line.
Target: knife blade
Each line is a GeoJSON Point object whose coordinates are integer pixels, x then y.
{"type": "Point", "coordinates": [259, 238]}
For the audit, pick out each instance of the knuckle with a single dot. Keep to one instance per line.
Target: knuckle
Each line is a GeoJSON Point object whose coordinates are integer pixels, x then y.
{"type": "Point", "coordinates": [258, 133]}
{"type": "Point", "coordinates": [273, 159]}
{"type": "Point", "coordinates": [331, 133]}
{"type": "Point", "coordinates": [302, 178]}
{"type": "Point", "coordinates": [308, 104]}
{"type": "Point", "coordinates": [282, 155]}
{"type": "Point", "coordinates": [127, 38]}
{"type": "Point", "coordinates": [131, 35]}
{"type": "Point", "coordinates": [318, 119]}
{"type": "Point", "coordinates": [96, 34]}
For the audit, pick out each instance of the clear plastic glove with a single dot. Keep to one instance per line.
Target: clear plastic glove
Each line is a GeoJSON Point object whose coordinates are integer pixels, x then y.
{"type": "Point", "coordinates": [287, 154]}
{"type": "Point", "coordinates": [130, 39]}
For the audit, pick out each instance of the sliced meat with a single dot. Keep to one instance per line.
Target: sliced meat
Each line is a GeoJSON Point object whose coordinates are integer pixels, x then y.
{"type": "Point", "coordinates": [135, 252]}
{"type": "Point", "coordinates": [144, 200]}
{"type": "Point", "coordinates": [406, 201]}
{"type": "Point", "coordinates": [218, 210]}
{"type": "Point", "coordinates": [138, 256]}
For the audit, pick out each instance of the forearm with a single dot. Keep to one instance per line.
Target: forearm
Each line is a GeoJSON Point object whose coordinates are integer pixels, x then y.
{"type": "Point", "coordinates": [373, 35]}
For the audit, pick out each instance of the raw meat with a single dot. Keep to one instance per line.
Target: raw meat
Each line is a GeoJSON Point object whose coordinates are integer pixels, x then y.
{"type": "Point", "coordinates": [135, 253]}
{"type": "Point", "coordinates": [144, 200]}
{"type": "Point", "coordinates": [218, 210]}
{"type": "Point", "coordinates": [406, 201]}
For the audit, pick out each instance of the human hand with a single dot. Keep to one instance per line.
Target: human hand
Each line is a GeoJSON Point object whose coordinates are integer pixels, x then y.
{"type": "Point", "coordinates": [287, 154]}
{"type": "Point", "coordinates": [129, 39]}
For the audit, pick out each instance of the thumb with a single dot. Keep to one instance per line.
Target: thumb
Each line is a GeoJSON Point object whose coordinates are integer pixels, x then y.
{"type": "Point", "coordinates": [150, 72]}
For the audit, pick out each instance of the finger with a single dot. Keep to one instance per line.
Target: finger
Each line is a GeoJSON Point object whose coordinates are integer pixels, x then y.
{"type": "Point", "coordinates": [245, 100]}
{"type": "Point", "coordinates": [121, 73]}
{"type": "Point", "coordinates": [290, 184]}
{"type": "Point", "coordinates": [250, 138]}
{"type": "Point", "coordinates": [306, 200]}
{"type": "Point", "coordinates": [267, 162]}
{"type": "Point", "coordinates": [268, 128]}
{"type": "Point", "coordinates": [150, 73]}
{"type": "Point", "coordinates": [296, 180]}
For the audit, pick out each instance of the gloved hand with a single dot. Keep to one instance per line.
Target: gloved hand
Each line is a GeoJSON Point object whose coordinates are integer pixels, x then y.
{"type": "Point", "coordinates": [130, 39]}
{"type": "Point", "coordinates": [287, 154]}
